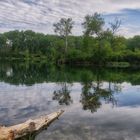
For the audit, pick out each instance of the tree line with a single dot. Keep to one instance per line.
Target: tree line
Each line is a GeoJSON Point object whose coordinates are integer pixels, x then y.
{"type": "Point", "coordinates": [99, 44]}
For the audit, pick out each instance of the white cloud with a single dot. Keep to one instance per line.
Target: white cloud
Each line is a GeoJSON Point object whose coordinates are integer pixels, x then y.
{"type": "Point", "coordinates": [129, 31]}
{"type": "Point", "coordinates": [39, 15]}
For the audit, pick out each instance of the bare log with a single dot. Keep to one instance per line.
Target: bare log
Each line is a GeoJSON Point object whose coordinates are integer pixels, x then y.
{"type": "Point", "coordinates": [28, 127]}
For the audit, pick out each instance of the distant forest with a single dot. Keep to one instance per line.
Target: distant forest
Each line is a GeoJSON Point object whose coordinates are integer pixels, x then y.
{"type": "Point", "coordinates": [98, 45]}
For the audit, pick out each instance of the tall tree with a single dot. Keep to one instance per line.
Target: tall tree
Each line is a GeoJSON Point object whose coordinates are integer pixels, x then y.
{"type": "Point", "coordinates": [64, 28]}
{"type": "Point", "coordinates": [93, 24]}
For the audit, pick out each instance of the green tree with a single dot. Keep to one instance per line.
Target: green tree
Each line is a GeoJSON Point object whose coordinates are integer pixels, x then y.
{"type": "Point", "coordinates": [134, 43]}
{"type": "Point", "coordinates": [106, 39]}
{"type": "Point", "coordinates": [2, 40]}
{"type": "Point", "coordinates": [64, 28]}
{"type": "Point", "coordinates": [93, 25]}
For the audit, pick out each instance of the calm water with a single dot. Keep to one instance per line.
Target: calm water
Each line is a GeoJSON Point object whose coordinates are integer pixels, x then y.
{"type": "Point", "coordinates": [99, 104]}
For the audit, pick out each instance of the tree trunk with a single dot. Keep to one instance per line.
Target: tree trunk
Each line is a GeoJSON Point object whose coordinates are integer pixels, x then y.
{"type": "Point", "coordinates": [28, 127]}
{"type": "Point", "coordinates": [66, 44]}
{"type": "Point", "coordinates": [66, 47]}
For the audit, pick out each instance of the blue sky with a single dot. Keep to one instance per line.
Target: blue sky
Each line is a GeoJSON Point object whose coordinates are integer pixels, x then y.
{"type": "Point", "coordinates": [39, 15]}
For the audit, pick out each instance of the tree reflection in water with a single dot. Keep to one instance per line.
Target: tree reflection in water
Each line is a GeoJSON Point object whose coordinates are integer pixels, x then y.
{"type": "Point", "coordinates": [91, 97]}
{"type": "Point", "coordinates": [93, 93]}
{"type": "Point", "coordinates": [29, 137]}
{"type": "Point", "coordinates": [63, 95]}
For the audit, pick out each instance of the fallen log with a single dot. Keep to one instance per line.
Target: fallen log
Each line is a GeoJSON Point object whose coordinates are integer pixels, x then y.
{"type": "Point", "coordinates": [28, 127]}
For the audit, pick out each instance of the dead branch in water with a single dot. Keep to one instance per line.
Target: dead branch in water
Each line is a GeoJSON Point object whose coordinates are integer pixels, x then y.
{"type": "Point", "coordinates": [28, 127]}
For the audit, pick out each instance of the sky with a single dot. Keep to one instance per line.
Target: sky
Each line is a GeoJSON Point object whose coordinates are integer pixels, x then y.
{"type": "Point", "coordinates": [39, 15]}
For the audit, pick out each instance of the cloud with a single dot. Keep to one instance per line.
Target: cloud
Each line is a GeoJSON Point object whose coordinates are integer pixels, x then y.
{"type": "Point", "coordinates": [39, 15]}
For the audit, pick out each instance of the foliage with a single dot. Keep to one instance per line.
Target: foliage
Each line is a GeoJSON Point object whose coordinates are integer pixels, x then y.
{"type": "Point", "coordinates": [99, 45]}
{"type": "Point", "coordinates": [63, 28]}
{"type": "Point", "coordinates": [93, 24]}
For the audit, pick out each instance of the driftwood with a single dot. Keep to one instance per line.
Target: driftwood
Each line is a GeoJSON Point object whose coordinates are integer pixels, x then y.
{"type": "Point", "coordinates": [28, 127]}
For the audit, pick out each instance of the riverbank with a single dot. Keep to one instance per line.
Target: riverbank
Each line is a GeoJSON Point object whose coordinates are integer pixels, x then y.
{"type": "Point", "coordinates": [44, 59]}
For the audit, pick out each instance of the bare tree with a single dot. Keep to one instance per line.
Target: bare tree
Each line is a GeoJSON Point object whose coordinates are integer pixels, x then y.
{"type": "Point", "coordinates": [115, 25]}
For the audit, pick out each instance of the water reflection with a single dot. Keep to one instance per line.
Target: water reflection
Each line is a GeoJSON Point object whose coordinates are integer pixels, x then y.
{"type": "Point", "coordinates": [92, 93]}
{"type": "Point", "coordinates": [37, 89]}
{"type": "Point", "coordinates": [23, 73]}
{"type": "Point", "coordinates": [63, 95]}
{"type": "Point", "coordinates": [29, 137]}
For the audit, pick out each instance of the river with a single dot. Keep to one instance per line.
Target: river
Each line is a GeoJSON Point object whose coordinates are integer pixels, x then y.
{"type": "Point", "coordinates": [99, 104]}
